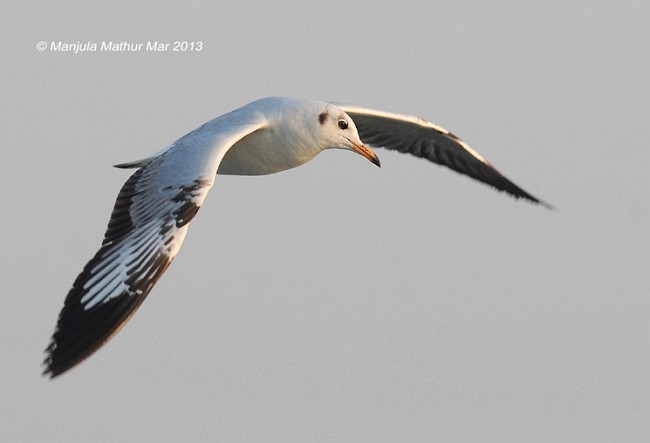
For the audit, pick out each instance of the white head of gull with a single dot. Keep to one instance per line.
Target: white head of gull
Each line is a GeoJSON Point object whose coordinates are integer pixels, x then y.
{"type": "Point", "coordinates": [154, 207]}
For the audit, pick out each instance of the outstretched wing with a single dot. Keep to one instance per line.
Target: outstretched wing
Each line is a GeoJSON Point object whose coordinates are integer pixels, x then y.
{"type": "Point", "coordinates": [426, 140]}
{"type": "Point", "coordinates": [145, 232]}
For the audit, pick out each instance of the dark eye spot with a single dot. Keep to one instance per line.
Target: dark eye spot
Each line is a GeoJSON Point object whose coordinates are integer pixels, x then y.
{"type": "Point", "coordinates": [343, 124]}
{"type": "Point", "coordinates": [322, 117]}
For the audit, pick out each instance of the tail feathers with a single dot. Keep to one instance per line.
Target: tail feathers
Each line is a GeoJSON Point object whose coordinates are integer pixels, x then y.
{"type": "Point", "coordinates": [139, 163]}
{"type": "Point", "coordinates": [135, 164]}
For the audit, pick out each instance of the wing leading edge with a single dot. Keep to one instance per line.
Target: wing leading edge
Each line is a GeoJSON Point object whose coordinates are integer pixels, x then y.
{"type": "Point", "coordinates": [146, 229]}
{"type": "Point", "coordinates": [424, 139]}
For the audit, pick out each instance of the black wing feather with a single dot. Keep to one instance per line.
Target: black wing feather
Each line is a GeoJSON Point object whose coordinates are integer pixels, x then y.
{"type": "Point", "coordinates": [433, 144]}
{"type": "Point", "coordinates": [149, 226]}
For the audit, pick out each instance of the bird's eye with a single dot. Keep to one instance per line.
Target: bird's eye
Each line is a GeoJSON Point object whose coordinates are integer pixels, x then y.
{"type": "Point", "coordinates": [343, 124]}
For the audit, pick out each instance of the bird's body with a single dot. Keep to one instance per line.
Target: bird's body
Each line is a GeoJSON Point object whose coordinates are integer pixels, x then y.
{"type": "Point", "coordinates": [154, 207]}
{"type": "Point", "coordinates": [278, 148]}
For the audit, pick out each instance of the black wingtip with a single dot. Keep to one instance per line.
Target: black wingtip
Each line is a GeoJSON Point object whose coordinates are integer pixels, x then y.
{"type": "Point", "coordinates": [548, 206]}
{"type": "Point", "coordinates": [492, 177]}
{"type": "Point", "coordinates": [523, 195]}
{"type": "Point", "coordinates": [54, 368]}
{"type": "Point", "coordinates": [534, 200]}
{"type": "Point", "coordinates": [50, 373]}
{"type": "Point", "coordinates": [518, 193]}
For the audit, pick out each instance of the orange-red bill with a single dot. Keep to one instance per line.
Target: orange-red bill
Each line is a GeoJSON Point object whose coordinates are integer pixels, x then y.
{"type": "Point", "coordinates": [367, 153]}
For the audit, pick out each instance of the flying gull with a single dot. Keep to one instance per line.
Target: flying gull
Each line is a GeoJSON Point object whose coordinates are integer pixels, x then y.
{"type": "Point", "coordinates": [155, 205]}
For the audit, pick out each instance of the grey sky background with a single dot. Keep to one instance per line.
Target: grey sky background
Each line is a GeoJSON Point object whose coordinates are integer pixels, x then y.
{"type": "Point", "coordinates": [337, 301]}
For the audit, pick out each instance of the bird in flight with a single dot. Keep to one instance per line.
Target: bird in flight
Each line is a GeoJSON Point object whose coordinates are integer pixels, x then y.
{"type": "Point", "coordinates": [154, 207]}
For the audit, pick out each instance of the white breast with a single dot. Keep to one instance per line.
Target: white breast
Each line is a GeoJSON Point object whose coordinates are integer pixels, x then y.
{"type": "Point", "coordinates": [269, 150]}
